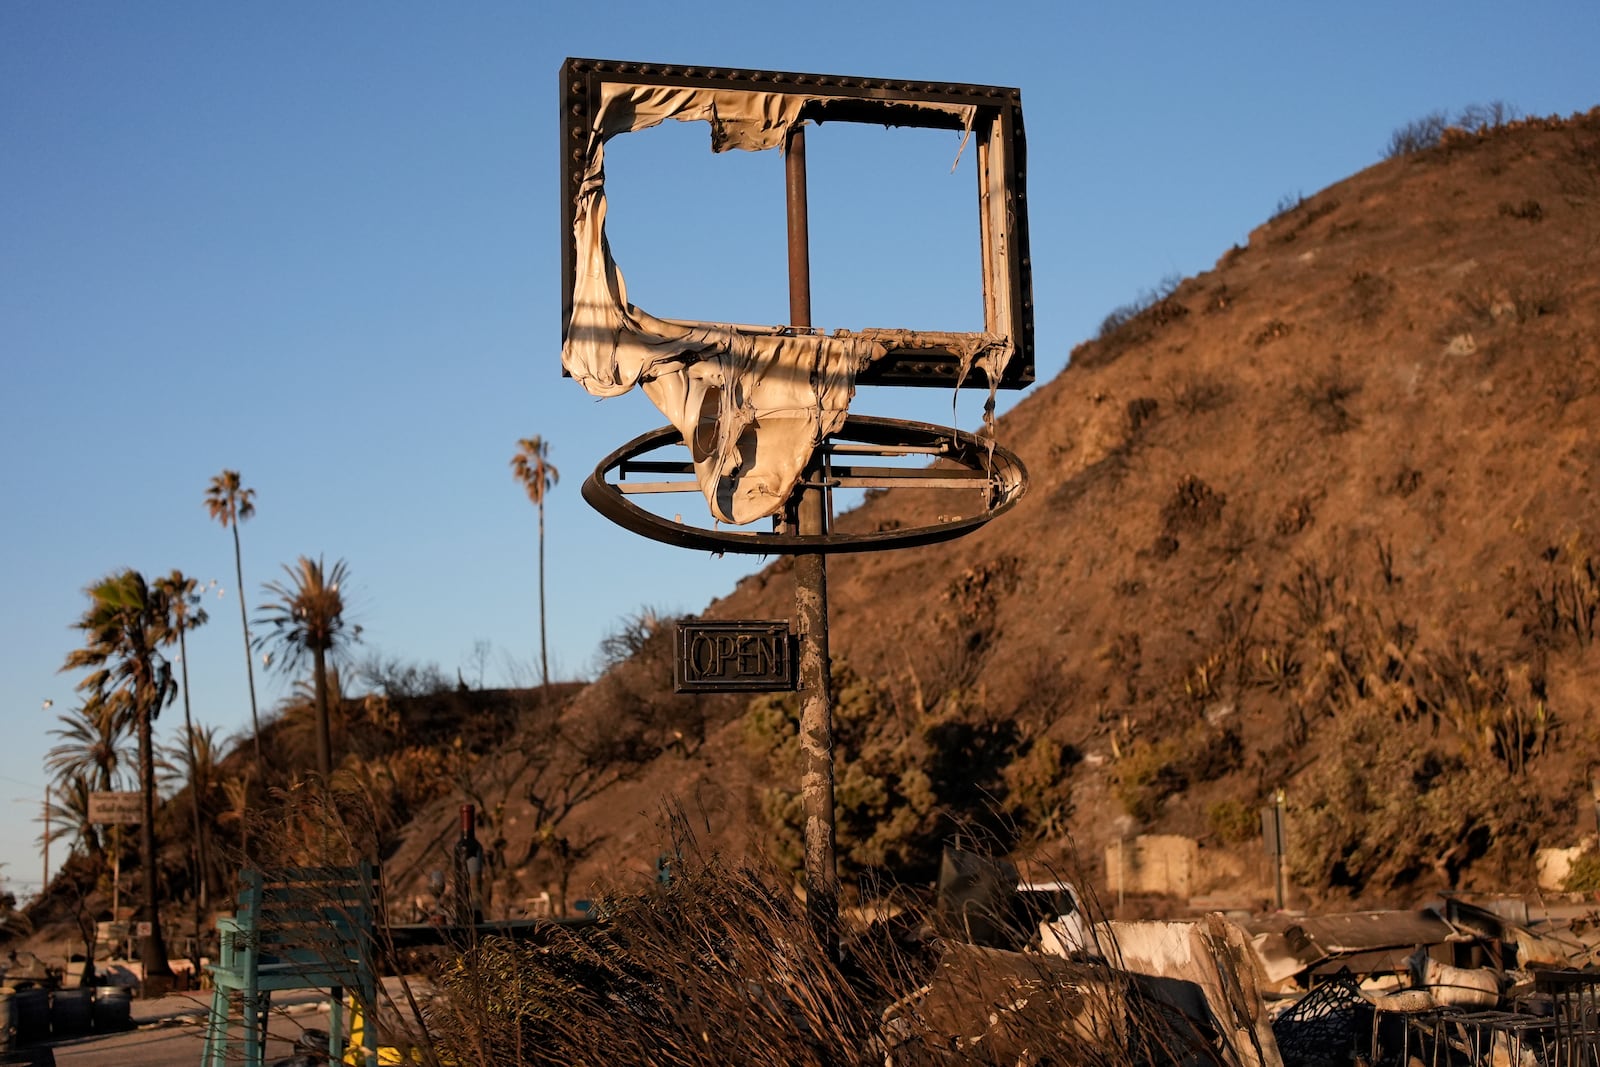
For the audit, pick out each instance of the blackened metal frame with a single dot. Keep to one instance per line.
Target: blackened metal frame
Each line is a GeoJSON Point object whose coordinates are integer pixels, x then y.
{"type": "Point", "coordinates": [914, 358]}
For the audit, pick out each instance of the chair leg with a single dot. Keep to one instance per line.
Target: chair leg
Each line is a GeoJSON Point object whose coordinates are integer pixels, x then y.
{"type": "Point", "coordinates": [217, 1029]}
{"type": "Point", "coordinates": [369, 1031]}
{"type": "Point", "coordinates": [336, 1025]}
{"type": "Point", "coordinates": [255, 1028]}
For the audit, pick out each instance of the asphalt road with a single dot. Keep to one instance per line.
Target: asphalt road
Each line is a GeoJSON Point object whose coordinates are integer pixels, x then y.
{"type": "Point", "coordinates": [171, 1032]}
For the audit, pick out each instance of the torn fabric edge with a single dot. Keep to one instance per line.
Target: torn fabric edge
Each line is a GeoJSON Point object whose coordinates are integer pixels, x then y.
{"type": "Point", "coordinates": [752, 403]}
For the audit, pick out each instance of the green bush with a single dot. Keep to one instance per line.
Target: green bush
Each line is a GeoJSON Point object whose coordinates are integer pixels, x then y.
{"type": "Point", "coordinates": [1233, 821]}
{"type": "Point", "coordinates": [903, 782]}
{"type": "Point", "coordinates": [1584, 875]}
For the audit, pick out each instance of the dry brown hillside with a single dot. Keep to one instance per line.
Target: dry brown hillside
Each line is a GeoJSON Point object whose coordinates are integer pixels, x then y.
{"type": "Point", "coordinates": [1323, 518]}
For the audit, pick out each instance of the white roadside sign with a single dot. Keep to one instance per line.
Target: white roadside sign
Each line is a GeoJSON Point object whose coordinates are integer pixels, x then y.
{"type": "Point", "coordinates": [125, 809]}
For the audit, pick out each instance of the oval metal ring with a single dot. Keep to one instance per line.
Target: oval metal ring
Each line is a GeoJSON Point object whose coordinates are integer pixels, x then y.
{"type": "Point", "coordinates": [972, 464]}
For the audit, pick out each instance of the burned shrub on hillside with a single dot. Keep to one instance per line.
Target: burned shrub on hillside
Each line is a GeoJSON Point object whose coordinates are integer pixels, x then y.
{"type": "Point", "coordinates": [1103, 475]}
{"type": "Point", "coordinates": [1233, 541]}
{"type": "Point", "coordinates": [1416, 135]}
{"type": "Point", "coordinates": [1518, 302]}
{"type": "Point", "coordinates": [1132, 323]}
{"type": "Point", "coordinates": [1294, 217]}
{"type": "Point", "coordinates": [1193, 506]}
{"type": "Point", "coordinates": [967, 620]}
{"type": "Point", "coordinates": [633, 635]}
{"type": "Point", "coordinates": [1427, 132]}
{"type": "Point", "coordinates": [1528, 210]}
{"type": "Point", "coordinates": [1141, 410]}
{"type": "Point", "coordinates": [636, 686]}
{"type": "Point", "coordinates": [1296, 515]}
{"type": "Point", "coordinates": [1402, 483]}
{"type": "Point", "coordinates": [1224, 296]}
{"type": "Point", "coordinates": [1370, 295]}
{"type": "Point", "coordinates": [1197, 393]}
{"type": "Point", "coordinates": [1565, 599]}
{"type": "Point", "coordinates": [1149, 298]}
{"type": "Point", "coordinates": [1272, 331]}
{"type": "Point", "coordinates": [1286, 203]}
{"type": "Point", "coordinates": [1326, 397]}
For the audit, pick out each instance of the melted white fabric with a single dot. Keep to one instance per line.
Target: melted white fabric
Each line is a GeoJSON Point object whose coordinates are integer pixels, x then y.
{"type": "Point", "coordinates": [752, 403]}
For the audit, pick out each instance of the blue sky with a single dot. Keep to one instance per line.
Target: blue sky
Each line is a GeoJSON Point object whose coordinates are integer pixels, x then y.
{"type": "Point", "coordinates": [318, 243]}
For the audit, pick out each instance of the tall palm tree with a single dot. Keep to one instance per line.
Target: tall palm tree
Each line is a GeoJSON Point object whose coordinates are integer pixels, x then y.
{"type": "Point", "coordinates": [230, 503]}
{"type": "Point", "coordinates": [124, 628]}
{"type": "Point", "coordinates": [532, 467]}
{"type": "Point", "coordinates": [306, 617]}
{"type": "Point", "coordinates": [182, 597]}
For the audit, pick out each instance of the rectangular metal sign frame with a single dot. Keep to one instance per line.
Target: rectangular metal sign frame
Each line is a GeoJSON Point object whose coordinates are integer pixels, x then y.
{"type": "Point", "coordinates": [917, 358]}
{"type": "Point", "coordinates": [736, 656]}
{"type": "Point", "coordinates": [116, 808]}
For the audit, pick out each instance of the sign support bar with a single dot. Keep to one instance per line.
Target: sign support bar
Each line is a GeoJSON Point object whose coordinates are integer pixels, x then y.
{"type": "Point", "coordinates": [811, 600]}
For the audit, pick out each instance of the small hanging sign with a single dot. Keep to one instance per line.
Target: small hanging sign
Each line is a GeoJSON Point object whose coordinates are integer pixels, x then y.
{"type": "Point", "coordinates": [734, 656]}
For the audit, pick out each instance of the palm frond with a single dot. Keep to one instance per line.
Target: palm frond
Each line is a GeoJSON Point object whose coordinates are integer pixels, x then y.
{"type": "Point", "coordinates": [228, 501]}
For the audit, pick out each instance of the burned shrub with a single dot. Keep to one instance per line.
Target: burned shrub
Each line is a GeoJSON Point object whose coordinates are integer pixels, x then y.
{"type": "Point", "coordinates": [1327, 398]}
{"type": "Point", "coordinates": [1194, 505]}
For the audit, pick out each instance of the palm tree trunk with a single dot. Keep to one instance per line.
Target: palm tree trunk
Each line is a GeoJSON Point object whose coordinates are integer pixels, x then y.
{"type": "Point", "coordinates": [324, 731]}
{"type": "Point", "coordinates": [544, 651]}
{"type": "Point", "coordinates": [200, 894]}
{"type": "Point", "coordinates": [249, 665]}
{"type": "Point", "coordinates": [153, 951]}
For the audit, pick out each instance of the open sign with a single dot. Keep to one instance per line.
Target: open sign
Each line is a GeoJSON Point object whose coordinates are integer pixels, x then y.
{"type": "Point", "coordinates": [722, 657]}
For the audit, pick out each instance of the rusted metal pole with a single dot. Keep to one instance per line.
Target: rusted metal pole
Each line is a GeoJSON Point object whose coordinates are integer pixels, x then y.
{"type": "Point", "coordinates": [811, 600]}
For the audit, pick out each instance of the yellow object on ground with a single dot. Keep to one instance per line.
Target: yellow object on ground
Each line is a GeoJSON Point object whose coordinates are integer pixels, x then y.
{"type": "Point", "coordinates": [388, 1055]}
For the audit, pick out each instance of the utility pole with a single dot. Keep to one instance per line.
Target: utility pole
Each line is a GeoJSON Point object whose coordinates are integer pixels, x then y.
{"type": "Point", "coordinates": [811, 597]}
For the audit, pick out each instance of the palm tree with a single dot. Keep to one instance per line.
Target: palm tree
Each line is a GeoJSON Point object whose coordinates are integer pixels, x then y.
{"type": "Point", "coordinates": [533, 469]}
{"type": "Point", "coordinates": [198, 754]}
{"type": "Point", "coordinates": [124, 626]}
{"type": "Point", "coordinates": [306, 616]}
{"type": "Point", "coordinates": [91, 752]}
{"type": "Point", "coordinates": [68, 812]}
{"type": "Point", "coordinates": [236, 788]}
{"type": "Point", "coordinates": [92, 738]}
{"type": "Point", "coordinates": [182, 597]}
{"type": "Point", "coordinates": [230, 504]}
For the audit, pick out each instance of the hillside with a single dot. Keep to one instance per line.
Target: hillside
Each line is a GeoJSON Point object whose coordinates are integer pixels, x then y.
{"type": "Point", "coordinates": [1321, 518]}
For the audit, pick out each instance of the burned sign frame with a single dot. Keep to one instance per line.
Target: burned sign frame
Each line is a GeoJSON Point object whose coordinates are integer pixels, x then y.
{"type": "Point", "coordinates": [754, 109]}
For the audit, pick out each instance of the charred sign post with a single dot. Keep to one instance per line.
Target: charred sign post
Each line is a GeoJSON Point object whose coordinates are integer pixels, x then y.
{"type": "Point", "coordinates": [788, 386]}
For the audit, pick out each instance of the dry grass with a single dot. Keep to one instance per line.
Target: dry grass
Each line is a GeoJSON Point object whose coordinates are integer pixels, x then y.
{"type": "Point", "coordinates": [722, 966]}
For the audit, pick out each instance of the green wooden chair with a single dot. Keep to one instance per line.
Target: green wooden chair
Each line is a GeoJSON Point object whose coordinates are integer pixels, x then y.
{"type": "Point", "coordinates": [296, 928]}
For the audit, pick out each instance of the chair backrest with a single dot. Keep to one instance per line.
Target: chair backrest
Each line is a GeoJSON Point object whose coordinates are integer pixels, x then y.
{"type": "Point", "coordinates": [316, 917]}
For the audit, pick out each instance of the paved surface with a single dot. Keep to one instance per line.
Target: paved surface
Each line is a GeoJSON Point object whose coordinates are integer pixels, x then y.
{"type": "Point", "coordinates": [170, 1031]}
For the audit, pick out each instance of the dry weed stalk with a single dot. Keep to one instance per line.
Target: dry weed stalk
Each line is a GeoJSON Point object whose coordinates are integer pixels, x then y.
{"type": "Point", "coordinates": [721, 965]}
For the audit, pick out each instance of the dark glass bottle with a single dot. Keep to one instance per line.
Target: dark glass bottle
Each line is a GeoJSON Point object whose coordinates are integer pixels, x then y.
{"type": "Point", "coordinates": [468, 865]}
